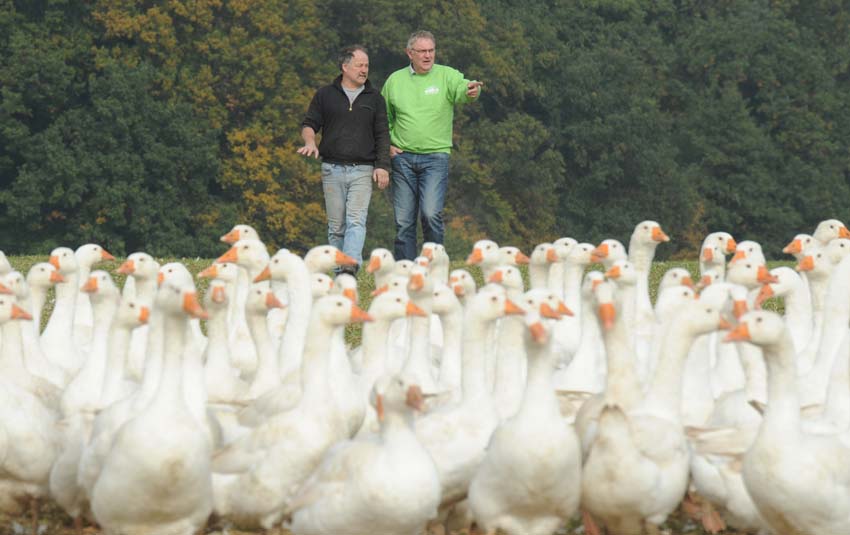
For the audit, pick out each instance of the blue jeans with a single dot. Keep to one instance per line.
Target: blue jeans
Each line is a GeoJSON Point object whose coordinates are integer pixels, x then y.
{"type": "Point", "coordinates": [419, 184]}
{"type": "Point", "coordinates": [348, 190]}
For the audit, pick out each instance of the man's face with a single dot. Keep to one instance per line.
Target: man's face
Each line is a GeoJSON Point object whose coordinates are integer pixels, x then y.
{"type": "Point", "coordinates": [355, 72]}
{"type": "Point", "coordinates": [422, 55]}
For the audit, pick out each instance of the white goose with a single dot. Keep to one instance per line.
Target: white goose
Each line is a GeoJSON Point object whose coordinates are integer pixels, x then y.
{"type": "Point", "coordinates": [41, 277]}
{"type": "Point", "coordinates": [534, 451]}
{"type": "Point", "coordinates": [382, 485]}
{"type": "Point", "coordinates": [87, 256]}
{"type": "Point", "coordinates": [485, 254]}
{"type": "Point", "coordinates": [222, 382]}
{"type": "Point", "coordinates": [608, 252]}
{"type": "Point", "coordinates": [381, 265]}
{"type": "Point", "coordinates": [156, 477]}
{"type": "Point", "coordinates": [799, 481]}
{"type": "Point", "coordinates": [57, 340]}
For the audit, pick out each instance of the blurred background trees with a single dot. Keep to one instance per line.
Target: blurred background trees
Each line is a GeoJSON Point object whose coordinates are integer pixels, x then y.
{"type": "Point", "coordinates": [157, 125]}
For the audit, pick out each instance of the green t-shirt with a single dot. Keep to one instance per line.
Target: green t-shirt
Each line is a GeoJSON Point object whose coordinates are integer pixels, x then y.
{"type": "Point", "coordinates": [420, 107]}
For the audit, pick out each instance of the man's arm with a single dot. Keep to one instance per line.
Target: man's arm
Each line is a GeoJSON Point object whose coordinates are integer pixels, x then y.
{"type": "Point", "coordinates": [390, 116]}
{"type": "Point", "coordinates": [382, 145]}
{"type": "Point", "coordinates": [311, 124]}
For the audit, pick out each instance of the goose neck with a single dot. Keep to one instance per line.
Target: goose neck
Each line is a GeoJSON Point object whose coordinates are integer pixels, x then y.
{"type": "Point", "coordinates": [665, 391]}
{"type": "Point", "coordinates": [169, 393]}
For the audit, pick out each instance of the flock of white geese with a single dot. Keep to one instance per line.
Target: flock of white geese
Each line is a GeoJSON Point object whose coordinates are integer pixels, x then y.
{"type": "Point", "coordinates": [494, 408]}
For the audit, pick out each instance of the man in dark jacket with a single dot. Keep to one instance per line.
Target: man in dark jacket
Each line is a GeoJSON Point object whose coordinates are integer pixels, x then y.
{"type": "Point", "coordinates": [355, 149]}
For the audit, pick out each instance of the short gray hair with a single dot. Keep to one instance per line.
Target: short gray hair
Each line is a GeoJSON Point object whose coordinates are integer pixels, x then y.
{"type": "Point", "coordinates": [420, 34]}
{"type": "Point", "coordinates": [347, 53]}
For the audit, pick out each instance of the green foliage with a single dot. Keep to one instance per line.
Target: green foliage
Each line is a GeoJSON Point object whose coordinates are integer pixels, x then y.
{"type": "Point", "coordinates": [596, 114]}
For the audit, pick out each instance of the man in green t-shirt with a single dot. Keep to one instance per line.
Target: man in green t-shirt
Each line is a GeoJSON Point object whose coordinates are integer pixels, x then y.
{"type": "Point", "coordinates": [420, 108]}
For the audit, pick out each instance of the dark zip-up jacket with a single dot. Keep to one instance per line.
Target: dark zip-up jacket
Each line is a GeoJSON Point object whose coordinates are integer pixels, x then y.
{"type": "Point", "coordinates": [351, 133]}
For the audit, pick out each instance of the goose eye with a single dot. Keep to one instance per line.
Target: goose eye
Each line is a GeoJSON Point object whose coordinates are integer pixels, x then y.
{"type": "Point", "coordinates": [398, 300]}
{"type": "Point", "coordinates": [758, 320]}
{"type": "Point", "coordinates": [339, 304]}
{"type": "Point", "coordinates": [276, 261]}
{"type": "Point", "coordinates": [494, 299]}
{"type": "Point", "coordinates": [132, 305]}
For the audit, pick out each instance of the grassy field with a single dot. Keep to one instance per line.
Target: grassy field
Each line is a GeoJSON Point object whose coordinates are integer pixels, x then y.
{"type": "Point", "coordinates": [54, 521]}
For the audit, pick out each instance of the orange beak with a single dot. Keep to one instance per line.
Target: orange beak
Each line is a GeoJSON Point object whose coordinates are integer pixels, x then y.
{"type": "Point", "coordinates": [144, 314]}
{"type": "Point", "coordinates": [741, 333]}
{"type": "Point", "coordinates": [705, 280]}
{"type": "Point", "coordinates": [90, 285]}
{"type": "Point", "coordinates": [708, 254]}
{"type": "Point", "coordinates": [272, 301]}
{"type": "Point", "coordinates": [687, 281]}
{"type": "Point", "coordinates": [374, 264]}
{"type": "Point", "coordinates": [764, 276]}
{"type": "Point", "coordinates": [521, 258]}
{"type": "Point", "coordinates": [538, 332]}
{"type": "Point", "coordinates": [350, 294]}
{"type": "Point", "coordinates": [843, 232]}
{"type": "Point", "coordinates": [19, 313]}
{"type": "Point", "coordinates": [5, 289]}
{"type": "Point", "coordinates": [796, 246]}
{"type": "Point", "coordinates": [476, 257]}
{"type": "Point", "coordinates": [210, 272]}
{"type": "Point", "coordinates": [806, 264]}
{"type": "Point", "coordinates": [160, 278]}
{"type": "Point", "coordinates": [415, 399]}
{"type": "Point", "coordinates": [658, 235]}
{"type": "Point", "coordinates": [724, 325]}
{"type": "Point", "coordinates": [458, 289]}
{"type": "Point", "coordinates": [127, 267]}
{"type": "Point", "coordinates": [563, 310]}
{"type": "Point", "coordinates": [731, 245]}
{"type": "Point", "coordinates": [265, 274]}
{"type": "Point", "coordinates": [551, 255]}
{"type": "Point", "coordinates": [416, 282]}
{"type": "Point", "coordinates": [56, 277]}
{"type": "Point", "coordinates": [413, 310]}
{"type": "Point", "coordinates": [104, 255]}
{"type": "Point", "coordinates": [219, 295]}
{"type": "Point", "coordinates": [765, 293]}
{"type": "Point", "coordinates": [231, 237]}
{"type": "Point", "coordinates": [547, 312]}
{"type": "Point", "coordinates": [511, 309]}
{"type": "Point", "coordinates": [607, 314]}
{"type": "Point", "coordinates": [600, 253]}
{"type": "Point", "coordinates": [54, 261]}
{"type": "Point", "coordinates": [739, 255]}
{"type": "Point", "coordinates": [343, 259]}
{"type": "Point", "coordinates": [379, 407]}
{"type": "Point", "coordinates": [428, 253]}
{"type": "Point", "coordinates": [193, 307]}
{"type": "Point", "coordinates": [231, 256]}
{"type": "Point", "coordinates": [739, 308]}
{"type": "Point", "coordinates": [497, 276]}
{"type": "Point", "coordinates": [613, 273]}
{"type": "Point", "coordinates": [358, 315]}
{"type": "Point", "coordinates": [378, 291]}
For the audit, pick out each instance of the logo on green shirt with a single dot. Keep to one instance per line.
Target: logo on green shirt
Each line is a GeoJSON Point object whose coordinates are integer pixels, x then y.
{"type": "Point", "coordinates": [433, 90]}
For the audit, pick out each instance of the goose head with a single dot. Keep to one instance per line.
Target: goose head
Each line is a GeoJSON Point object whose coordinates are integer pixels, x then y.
{"type": "Point", "coordinates": [485, 253]}
{"type": "Point", "coordinates": [435, 253]}
{"type": "Point", "coordinates": [9, 310]}
{"type": "Point", "coordinates": [215, 300]}
{"type": "Point", "coordinates": [709, 277]}
{"type": "Point", "coordinates": [403, 267]}
{"type": "Point", "coordinates": [544, 303]}
{"type": "Point", "coordinates": [623, 272]}
{"type": "Point", "coordinates": [696, 318]}
{"type": "Point", "coordinates": [393, 305]}
{"type": "Point", "coordinates": [837, 249]}
{"type": "Point", "coordinates": [749, 273]}
{"type": "Point", "coordinates": [176, 273]}
{"type": "Point", "coordinates": [724, 241]}
{"type": "Point", "coordinates": [543, 254]}
{"type": "Point", "coordinates": [282, 265]}
{"type": "Point", "coordinates": [608, 252]}
{"type": "Point", "coordinates": [140, 266]}
{"type": "Point", "coordinates": [90, 254]}
{"type": "Point", "coordinates": [712, 254]}
{"type": "Point", "coordinates": [462, 283]}
{"type": "Point", "coordinates": [325, 258]}
{"type": "Point", "coordinates": [346, 285]}
{"type": "Point", "coordinates": [511, 256]}
{"type": "Point", "coordinates": [336, 311]}
{"type": "Point", "coordinates": [589, 283]}
{"type": "Point", "coordinates": [676, 277]}
{"type": "Point", "coordinates": [131, 314]}
{"type": "Point", "coordinates": [786, 280]}
{"type": "Point", "coordinates": [830, 229]}
{"type": "Point", "coordinates": [748, 250]}
{"type": "Point", "coordinates": [101, 288]}
{"type": "Point", "coordinates": [581, 254]}
{"type": "Point", "coordinates": [394, 394]}
{"type": "Point", "coordinates": [670, 299]}
{"type": "Point", "coordinates": [444, 300]}
{"type": "Point", "coordinates": [565, 242]}
{"type": "Point", "coordinates": [43, 275]}
{"type": "Point", "coordinates": [491, 305]}
{"type": "Point", "coordinates": [760, 327]}
{"type": "Point", "coordinates": [225, 272]}
{"type": "Point", "coordinates": [381, 261]}
{"type": "Point", "coordinates": [422, 261]}
{"type": "Point", "coordinates": [64, 261]}
{"type": "Point", "coordinates": [249, 254]}
{"type": "Point", "coordinates": [420, 283]}
{"type": "Point", "coordinates": [648, 234]}
{"type": "Point", "coordinates": [817, 265]}
{"type": "Point", "coordinates": [798, 245]}
{"type": "Point", "coordinates": [508, 276]}
{"type": "Point", "coordinates": [240, 232]}
{"type": "Point", "coordinates": [176, 297]}
{"type": "Point", "coordinates": [16, 282]}
{"type": "Point", "coordinates": [260, 301]}
{"type": "Point", "coordinates": [320, 285]}
{"type": "Point", "coordinates": [397, 283]}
